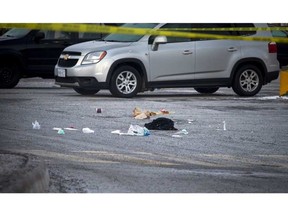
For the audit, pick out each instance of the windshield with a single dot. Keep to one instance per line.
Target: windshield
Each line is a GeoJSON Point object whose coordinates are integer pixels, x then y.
{"type": "Point", "coordinates": [128, 37]}
{"type": "Point", "coordinates": [16, 32]}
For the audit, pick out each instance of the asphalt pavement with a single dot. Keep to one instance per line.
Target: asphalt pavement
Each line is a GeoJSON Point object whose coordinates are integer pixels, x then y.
{"type": "Point", "coordinates": [22, 173]}
{"type": "Point", "coordinates": [159, 157]}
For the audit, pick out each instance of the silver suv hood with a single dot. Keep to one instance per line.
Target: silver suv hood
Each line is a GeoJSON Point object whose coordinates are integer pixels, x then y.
{"type": "Point", "coordinates": [91, 46]}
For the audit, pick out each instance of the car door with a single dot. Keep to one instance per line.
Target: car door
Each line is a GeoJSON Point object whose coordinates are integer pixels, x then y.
{"type": "Point", "coordinates": [53, 44]}
{"type": "Point", "coordinates": [43, 50]}
{"type": "Point", "coordinates": [174, 60]}
{"type": "Point", "coordinates": [214, 57]}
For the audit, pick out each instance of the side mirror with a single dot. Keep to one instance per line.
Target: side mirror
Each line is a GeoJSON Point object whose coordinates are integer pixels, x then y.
{"type": "Point", "coordinates": [39, 36]}
{"type": "Point", "coordinates": [158, 40]}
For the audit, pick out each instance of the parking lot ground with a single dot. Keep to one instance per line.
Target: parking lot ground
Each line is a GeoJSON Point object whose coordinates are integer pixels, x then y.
{"type": "Point", "coordinates": [233, 145]}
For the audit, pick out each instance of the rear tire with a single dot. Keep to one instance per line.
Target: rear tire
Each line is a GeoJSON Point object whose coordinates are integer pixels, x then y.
{"type": "Point", "coordinates": [248, 81]}
{"type": "Point", "coordinates": [9, 76]}
{"type": "Point", "coordinates": [84, 91]}
{"type": "Point", "coordinates": [206, 90]}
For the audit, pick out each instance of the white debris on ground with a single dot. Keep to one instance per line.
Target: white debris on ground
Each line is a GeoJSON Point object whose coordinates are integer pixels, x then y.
{"type": "Point", "coordinates": [273, 98]}
{"type": "Point", "coordinates": [264, 98]}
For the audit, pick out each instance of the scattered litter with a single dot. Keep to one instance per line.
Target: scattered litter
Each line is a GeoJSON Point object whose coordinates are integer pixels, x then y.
{"type": "Point", "coordinates": [116, 132]}
{"type": "Point", "coordinates": [139, 114]}
{"type": "Point", "coordinates": [98, 110]}
{"type": "Point", "coordinates": [180, 133]}
{"type": "Point", "coordinates": [183, 131]}
{"type": "Point", "coordinates": [36, 125]}
{"type": "Point", "coordinates": [142, 116]}
{"type": "Point", "coordinates": [61, 131]}
{"type": "Point", "coordinates": [161, 124]}
{"type": "Point", "coordinates": [87, 130]}
{"type": "Point", "coordinates": [137, 111]}
{"type": "Point", "coordinates": [176, 135]}
{"type": "Point", "coordinates": [57, 129]}
{"type": "Point", "coordinates": [190, 121]}
{"type": "Point", "coordinates": [134, 130]}
{"type": "Point", "coordinates": [138, 130]}
{"type": "Point", "coordinates": [163, 111]}
{"type": "Point", "coordinates": [224, 125]}
{"type": "Point", "coordinates": [71, 129]}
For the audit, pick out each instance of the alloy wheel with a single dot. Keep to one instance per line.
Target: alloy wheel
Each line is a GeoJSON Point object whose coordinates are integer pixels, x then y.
{"type": "Point", "coordinates": [126, 82]}
{"type": "Point", "coordinates": [249, 80]}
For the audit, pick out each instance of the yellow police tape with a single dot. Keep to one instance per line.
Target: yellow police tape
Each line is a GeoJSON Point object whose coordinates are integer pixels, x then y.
{"type": "Point", "coordinates": [93, 28]}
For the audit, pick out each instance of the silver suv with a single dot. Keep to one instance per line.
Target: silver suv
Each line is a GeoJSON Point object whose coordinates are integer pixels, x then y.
{"type": "Point", "coordinates": [128, 64]}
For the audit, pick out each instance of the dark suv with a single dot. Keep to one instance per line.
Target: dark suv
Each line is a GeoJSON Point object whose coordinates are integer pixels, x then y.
{"type": "Point", "coordinates": [34, 53]}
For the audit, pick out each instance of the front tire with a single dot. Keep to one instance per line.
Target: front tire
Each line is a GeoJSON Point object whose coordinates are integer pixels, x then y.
{"type": "Point", "coordinates": [248, 81]}
{"type": "Point", "coordinates": [9, 76]}
{"type": "Point", "coordinates": [125, 82]}
{"type": "Point", "coordinates": [84, 91]}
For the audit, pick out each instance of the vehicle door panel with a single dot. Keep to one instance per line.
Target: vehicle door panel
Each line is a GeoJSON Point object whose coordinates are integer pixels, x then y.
{"type": "Point", "coordinates": [213, 58]}
{"type": "Point", "coordinates": [172, 61]}
{"type": "Point", "coordinates": [42, 55]}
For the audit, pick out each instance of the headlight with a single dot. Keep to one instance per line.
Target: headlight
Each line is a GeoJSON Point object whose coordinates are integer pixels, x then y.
{"type": "Point", "coordinates": [94, 57]}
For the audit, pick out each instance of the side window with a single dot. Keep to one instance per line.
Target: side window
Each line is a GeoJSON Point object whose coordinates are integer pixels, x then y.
{"type": "Point", "coordinates": [245, 25]}
{"type": "Point", "coordinates": [214, 26]}
{"type": "Point", "coordinates": [278, 34]}
{"type": "Point", "coordinates": [92, 36]}
{"type": "Point", "coordinates": [60, 35]}
{"type": "Point", "coordinates": [182, 27]}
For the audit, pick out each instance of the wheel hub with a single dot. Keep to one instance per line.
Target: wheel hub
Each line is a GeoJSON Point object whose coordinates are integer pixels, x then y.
{"type": "Point", "coordinates": [126, 82]}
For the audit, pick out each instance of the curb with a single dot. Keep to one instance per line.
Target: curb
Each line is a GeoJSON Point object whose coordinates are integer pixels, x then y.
{"type": "Point", "coordinates": [22, 173]}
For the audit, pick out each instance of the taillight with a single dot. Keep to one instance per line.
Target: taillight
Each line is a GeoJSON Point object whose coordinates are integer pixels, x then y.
{"type": "Point", "coordinates": [272, 47]}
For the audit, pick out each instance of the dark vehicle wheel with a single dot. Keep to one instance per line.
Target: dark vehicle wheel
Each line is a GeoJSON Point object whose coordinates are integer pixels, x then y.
{"type": "Point", "coordinates": [206, 90]}
{"type": "Point", "coordinates": [125, 82]}
{"type": "Point", "coordinates": [84, 91]}
{"type": "Point", "coordinates": [248, 81]}
{"type": "Point", "coordinates": [9, 76]}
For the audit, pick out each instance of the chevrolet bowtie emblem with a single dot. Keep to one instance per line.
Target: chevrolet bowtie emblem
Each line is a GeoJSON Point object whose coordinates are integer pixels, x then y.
{"type": "Point", "coordinates": [66, 57]}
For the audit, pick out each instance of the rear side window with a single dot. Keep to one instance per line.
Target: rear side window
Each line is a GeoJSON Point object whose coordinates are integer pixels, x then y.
{"type": "Point", "coordinates": [245, 25]}
{"type": "Point", "coordinates": [279, 33]}
{"type": "Point", "coordinates": [195, 27]}
{"type": "Point", "coordinates": [215, 26]}
{"type": "Point", "coordinates": [60, 35]}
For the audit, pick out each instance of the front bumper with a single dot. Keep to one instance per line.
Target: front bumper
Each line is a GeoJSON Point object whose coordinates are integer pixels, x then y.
{"type": "Point", "coordinates": [82, 82]}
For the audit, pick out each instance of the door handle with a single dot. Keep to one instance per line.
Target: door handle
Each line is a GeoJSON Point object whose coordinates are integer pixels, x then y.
{"type": "Point", "coordinates": [232, 49]}
{"type": "Point", "coordinates": [187, 52]}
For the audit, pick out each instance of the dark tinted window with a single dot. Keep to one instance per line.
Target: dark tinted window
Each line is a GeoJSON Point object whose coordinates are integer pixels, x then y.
{"type": "Point", "coordinates": [90, 35]}
{"type": "Point", "coordinates": [276, 33]}
{"type": "Point", "coordinates": [181, 27]}
{"type": "Point", "coordinates": [213, 26]}
{"type": "Point", "coordinates": [16, 32]}
{"type": "Point", "coordinates": [245, 25]}
{"type": "Point", "coordinates": [60, 35]}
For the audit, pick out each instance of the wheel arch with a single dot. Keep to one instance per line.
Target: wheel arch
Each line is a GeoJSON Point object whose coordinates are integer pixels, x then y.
{"type": "Point", "coordinates": [249, 61]}
{"type": "Point", "coordinates": [10, 57]}
{"type": "Point", "coordinates": [133, 62]}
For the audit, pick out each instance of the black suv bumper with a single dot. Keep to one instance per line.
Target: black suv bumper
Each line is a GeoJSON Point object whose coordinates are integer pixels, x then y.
{"type": "Point", "coordinates": [271, 76]}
